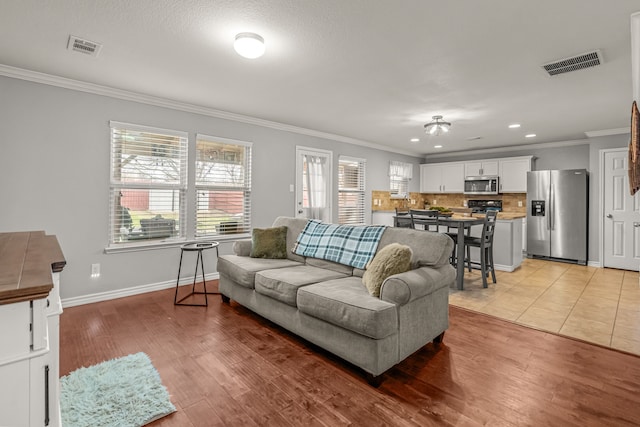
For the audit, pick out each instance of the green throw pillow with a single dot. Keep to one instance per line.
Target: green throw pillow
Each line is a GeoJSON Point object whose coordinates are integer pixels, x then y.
{"type": "Point", "coordinates": [392, 259]}
{"type": "Point", "coordinates": [269, 242]}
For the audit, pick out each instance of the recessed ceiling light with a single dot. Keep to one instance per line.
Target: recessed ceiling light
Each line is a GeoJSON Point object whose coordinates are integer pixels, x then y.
{"type": "Point", "coordinates": [530, 135]}
{"type": "Point", "coordinates": [514, 125]}
{"type": "Point", "coordinates": [415, 139]}
{"type": "Point", "coordinates": [437, 146]}
{"type": "Point", "coordinates": [249, 45]}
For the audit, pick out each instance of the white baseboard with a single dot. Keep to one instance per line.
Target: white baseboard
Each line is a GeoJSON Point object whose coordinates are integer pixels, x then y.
{"type": "Point", "coordinates": [507, 268]}
{"type": "Point", "coordinates": [594, 264]}
{"type": "Point", "coordinates": [127, 292]}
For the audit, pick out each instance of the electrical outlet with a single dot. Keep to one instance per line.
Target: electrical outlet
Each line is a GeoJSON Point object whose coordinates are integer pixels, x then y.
{"type": "Point", "coordinates": [413, 201]}
{"type": "Point", "coordinates": [519, 203]}
{"type": "Point", "coordinates": [435, 202]}
{"type": "Point", "coordinates": [95, 271]}
{"type": "Point", "coordinates": [464, 204]}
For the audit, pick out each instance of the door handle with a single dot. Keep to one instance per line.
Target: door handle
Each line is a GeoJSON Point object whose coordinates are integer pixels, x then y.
{"type": "Point", "coordinates": [636, 224]}
{"type": "Point", "coordinates": [300, 211]}
{"type": "Point", "coordinates": [609, 216]}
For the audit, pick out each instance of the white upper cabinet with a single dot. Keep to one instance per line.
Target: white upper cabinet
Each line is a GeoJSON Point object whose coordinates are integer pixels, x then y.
{"type": "Point", "coordinates": [442, 178]}
{"type": "Point", "coordinates": [481, 168]}
{"type": "Point", "coordinates": [513, 174]}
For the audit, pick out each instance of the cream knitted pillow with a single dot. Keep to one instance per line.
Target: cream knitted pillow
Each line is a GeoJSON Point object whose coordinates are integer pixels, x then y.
{"type": "Point", "coordinates": [392, 259]}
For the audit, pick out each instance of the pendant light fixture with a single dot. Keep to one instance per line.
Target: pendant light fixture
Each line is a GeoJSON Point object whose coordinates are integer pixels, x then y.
{"type": "Point", "coordinates": [437, 126]}
{"type": "Point", "coordinates": [249, 45]}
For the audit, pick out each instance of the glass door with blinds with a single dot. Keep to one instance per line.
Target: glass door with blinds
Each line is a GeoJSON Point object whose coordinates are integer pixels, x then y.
{"type": "Point", "coordinates": [313, 184]}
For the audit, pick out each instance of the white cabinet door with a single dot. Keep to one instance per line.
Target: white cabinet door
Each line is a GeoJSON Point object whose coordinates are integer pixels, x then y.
{"type": "Point", "coordinates": [513, 175]}
{"type": "Point", "coordinates": [14, 394]}
{"type": "Point", "coordinates": [431, 178]}
{"type": "Point", "coordinates": [453, 177]}
{"type": "Point", "coordinates": [472, 169]}
{"type": "Point", "coordinates": [481, 168]}
{"type": "Point", "coordinates": [490, 168]}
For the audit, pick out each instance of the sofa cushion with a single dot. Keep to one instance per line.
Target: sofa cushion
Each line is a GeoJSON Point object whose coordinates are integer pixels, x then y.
{"type": "Point", "coordinates": [429, 248]}
{"type": "Point", "coordinates": [282, 283]}
{"type": "Point", "coordinates": [242, 270]}
{"type": "Point", "coordinates": [329, 265]}
{"type": "Point", "coordinates": [346, 303]}
{"type": "Point", "coordinates": [269, 243]}
{"type": "Point", "coordinates": [294, 228]}
{"type": "Point", "coordinates": [392, 259]}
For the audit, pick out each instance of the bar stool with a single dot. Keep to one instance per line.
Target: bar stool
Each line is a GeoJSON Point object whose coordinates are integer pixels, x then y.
{"type": "Point", "coordinates": [403, 219]}
{"type": "Point", "coordinates": [195, 247]}
{"type": "Point", "coordinates": [485, 243]}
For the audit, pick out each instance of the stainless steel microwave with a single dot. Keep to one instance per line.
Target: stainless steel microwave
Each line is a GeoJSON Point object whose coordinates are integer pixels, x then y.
{"type": "Point", "coordinates": [481, 185]}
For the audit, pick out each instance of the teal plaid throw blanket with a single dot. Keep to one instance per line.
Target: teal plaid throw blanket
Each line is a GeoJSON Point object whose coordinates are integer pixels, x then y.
{"type": "Point", "coordinates": [347, 244]}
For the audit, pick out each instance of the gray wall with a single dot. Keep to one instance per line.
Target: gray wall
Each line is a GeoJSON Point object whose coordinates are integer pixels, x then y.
{"type": "Point", "coordinates": [579, 156]}
{"type": "Point", "coordinates": [54, 176]}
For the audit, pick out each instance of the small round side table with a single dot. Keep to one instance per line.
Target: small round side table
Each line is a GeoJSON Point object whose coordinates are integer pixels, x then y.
{"type": "Point", "coordinates": [195, 247]}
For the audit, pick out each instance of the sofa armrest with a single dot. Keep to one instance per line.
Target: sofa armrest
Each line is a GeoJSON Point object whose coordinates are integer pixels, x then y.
{"type": "Point", "coordinates": [408, 286]}
{"type": "Point", "coordinates": [242, 247]}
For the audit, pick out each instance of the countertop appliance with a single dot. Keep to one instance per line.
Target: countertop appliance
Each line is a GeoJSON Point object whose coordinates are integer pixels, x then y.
{"type": "Point", "coordinates": [558, 213]}
{"type": "Point", "coordinates": [481, 185]}
{"type": "Point", "coordinates": [482, 206]}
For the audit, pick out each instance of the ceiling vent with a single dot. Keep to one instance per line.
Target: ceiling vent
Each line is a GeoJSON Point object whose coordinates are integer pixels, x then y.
{"type": "Point", "coordinates": [578, 62]}
{"type": "Point", "coordinates": [84, 46]}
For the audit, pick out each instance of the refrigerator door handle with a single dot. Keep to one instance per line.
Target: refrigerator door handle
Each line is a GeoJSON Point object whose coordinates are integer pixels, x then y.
{"type": "Point", "coordinates": [552, 207]}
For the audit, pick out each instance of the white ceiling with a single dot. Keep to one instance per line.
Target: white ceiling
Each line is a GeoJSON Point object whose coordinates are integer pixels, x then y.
{"type": "Point", "coordinates": [371, 70]}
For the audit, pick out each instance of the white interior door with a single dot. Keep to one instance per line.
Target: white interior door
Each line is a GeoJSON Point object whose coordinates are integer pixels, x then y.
{"type": "Point", "coordinates": [621, 228]}
{"type": "Point", "coordinates": [313, 184]}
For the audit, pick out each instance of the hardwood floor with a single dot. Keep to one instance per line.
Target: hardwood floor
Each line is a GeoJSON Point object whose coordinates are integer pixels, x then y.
{"type": "Point", "coordinates": [224, 365]}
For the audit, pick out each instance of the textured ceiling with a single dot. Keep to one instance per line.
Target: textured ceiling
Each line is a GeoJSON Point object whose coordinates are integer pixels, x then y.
{"type": "Point", "coordinates": [371, 70]}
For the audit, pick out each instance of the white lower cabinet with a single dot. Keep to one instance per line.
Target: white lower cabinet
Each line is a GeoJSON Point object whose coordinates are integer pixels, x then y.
{"type": "Point", "coordinates": [14, 393]}
{"type": "Point", "coordinates": [29, 362]}
{"type": "Point", "coordinates": [507, 244]}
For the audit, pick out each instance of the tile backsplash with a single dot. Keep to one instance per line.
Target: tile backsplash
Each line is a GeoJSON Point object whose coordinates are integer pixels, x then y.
{"type": "Point", "coordinates": [382, 201]}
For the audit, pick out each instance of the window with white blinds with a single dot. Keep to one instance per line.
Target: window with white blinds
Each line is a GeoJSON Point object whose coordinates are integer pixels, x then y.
{"type": "Point", "coordinates": [400, 174]}
{"type": "Point", "coordinates": [223, 186]}
{"type": "Point", "coordinates": [148, 184]}
{"type": "Point", "coordinates": [351, 190]}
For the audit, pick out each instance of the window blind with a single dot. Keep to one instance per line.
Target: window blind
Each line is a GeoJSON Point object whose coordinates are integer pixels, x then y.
{"type": "Point", "coordinates": [148, 183]}
{"type": "Point", "coordinates": [351, 190]}
{"type": "Point", "coordinates": [223, 186]}
{"type": "Point", "coordinates": [399, 175]}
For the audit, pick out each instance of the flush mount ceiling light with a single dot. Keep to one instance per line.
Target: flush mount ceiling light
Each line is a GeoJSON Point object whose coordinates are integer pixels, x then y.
{"type": "Point", "coordinates": [249, 45]}
{"type": "Point", "coordinates": [437, 126]}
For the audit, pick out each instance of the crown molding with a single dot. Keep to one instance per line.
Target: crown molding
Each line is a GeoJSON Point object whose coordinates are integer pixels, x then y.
{"type": "Point", "coordinates": [77, 85]}
{"type": "Point", "coordinates": [607, 132]}
{"type": "Point", "coordinates": [509, 148]}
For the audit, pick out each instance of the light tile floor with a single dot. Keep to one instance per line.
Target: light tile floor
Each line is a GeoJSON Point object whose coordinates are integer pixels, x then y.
{"type": "Point", "coordinates": [599, 305]}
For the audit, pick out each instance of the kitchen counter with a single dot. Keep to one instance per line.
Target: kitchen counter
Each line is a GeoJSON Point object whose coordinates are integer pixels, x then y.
{"type": "Point", "coordinates": [505, 215]}
{"type": "Point", "coordinates": [27, 260]}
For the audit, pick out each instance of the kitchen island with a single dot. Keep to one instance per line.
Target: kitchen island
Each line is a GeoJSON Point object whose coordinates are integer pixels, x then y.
{"type": "Point", "coordinates": [30, 308]}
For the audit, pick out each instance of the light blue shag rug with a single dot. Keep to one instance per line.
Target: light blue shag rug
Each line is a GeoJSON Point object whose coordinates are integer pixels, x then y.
{"type": "Point", "coordinates": [123, 392]}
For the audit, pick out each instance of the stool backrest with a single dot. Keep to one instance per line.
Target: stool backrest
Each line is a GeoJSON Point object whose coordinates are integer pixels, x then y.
{"type": "Point", "coordinates": [489, 227]}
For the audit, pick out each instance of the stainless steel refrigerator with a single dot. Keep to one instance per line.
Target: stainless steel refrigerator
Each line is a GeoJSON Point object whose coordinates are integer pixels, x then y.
{"type": "Point", "coordinates": [557, 214]}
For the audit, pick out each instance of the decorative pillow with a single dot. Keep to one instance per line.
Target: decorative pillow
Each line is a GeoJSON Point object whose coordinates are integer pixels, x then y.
{"type": "Point", "coordinates": [392, 259]}
{"type": "Point", "coordinates": [269, 242]}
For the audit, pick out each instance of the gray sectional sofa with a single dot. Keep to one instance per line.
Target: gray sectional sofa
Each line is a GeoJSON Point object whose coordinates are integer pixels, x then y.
{"type": "Point", "coordinates": [327, 304]}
